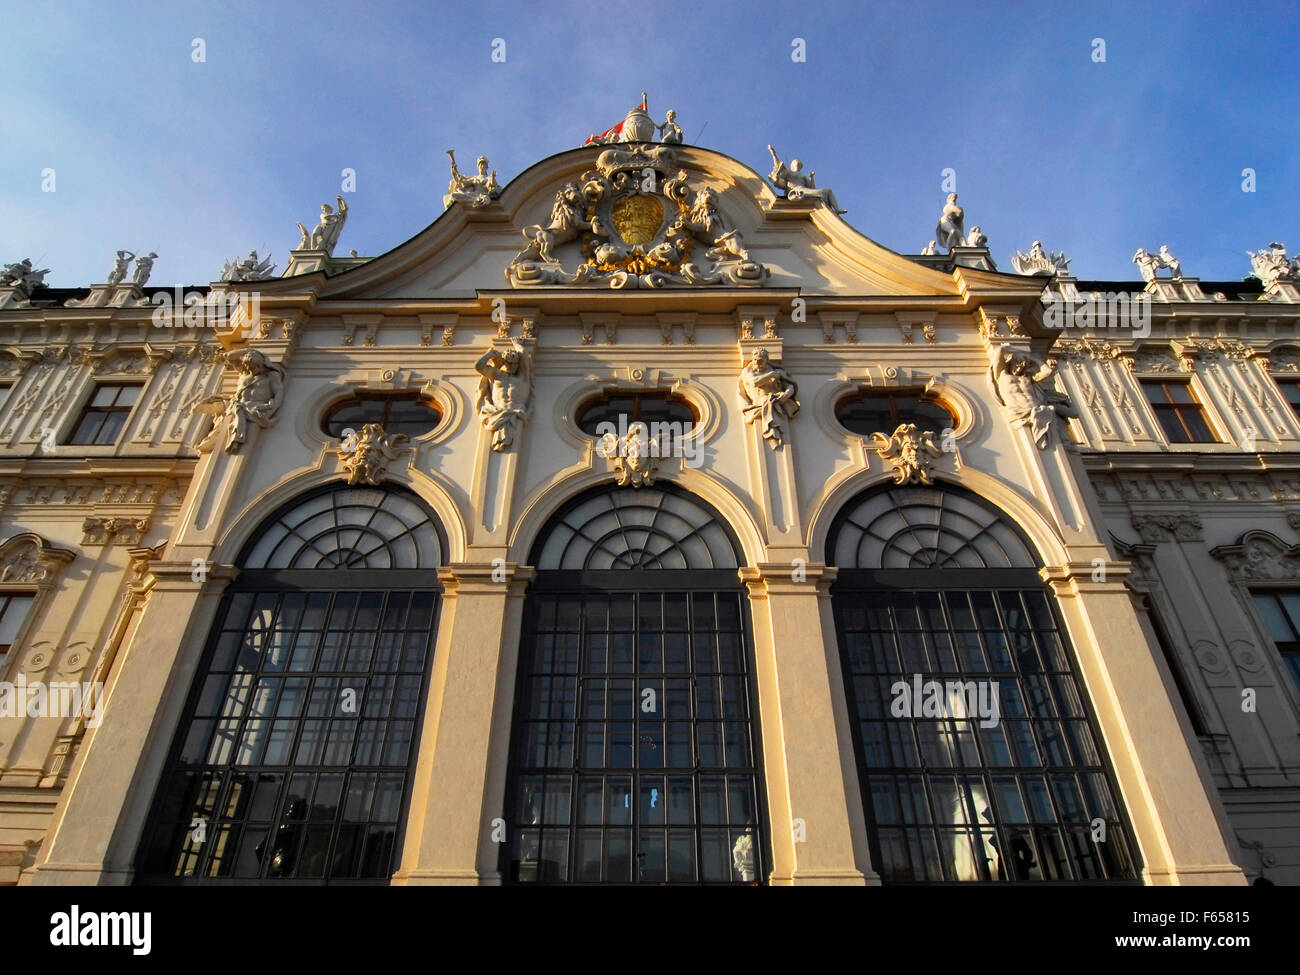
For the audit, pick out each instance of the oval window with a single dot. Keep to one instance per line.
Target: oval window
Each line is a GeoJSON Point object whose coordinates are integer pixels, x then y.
{"type": "Point", "coordinates": [646, 407]}
{"type": "Point", "coordinates": [882, 412]}
{"type": "Point", "coordinates": [406, 413]}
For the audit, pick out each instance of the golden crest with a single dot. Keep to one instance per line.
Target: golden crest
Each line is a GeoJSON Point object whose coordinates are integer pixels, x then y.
{"type": "Point", "coordinates": [637, 218]}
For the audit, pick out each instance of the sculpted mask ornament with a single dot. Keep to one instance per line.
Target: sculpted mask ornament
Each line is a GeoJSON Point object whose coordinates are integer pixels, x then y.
{"type": "Point", "coordinates": [1018, 380]}
{"type": "Point", "coordinates": [366, 454]}
{"type": "Point", "coordinates": [505, 394]}
{"type": "Point", "coordinates": [638, 229]}
{"type": "Point", "coordinates": [635, 455]}
{"type": "Point", "coordinates": [768, 396]}
{"type": "Point", "coordinates": [475, 191]}
{"type": "Point", "coordinates": [909, 452]}
{"type": "Point", "coordinates": [259, 393]}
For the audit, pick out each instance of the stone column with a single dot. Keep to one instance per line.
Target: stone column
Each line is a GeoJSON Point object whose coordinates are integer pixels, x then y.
{"type": "Point", "coordinates": [460, 777]}
{"type": "Point", "coordinates": [1175, 818]}
{"type": "Point", "coordinates": [97, 826]}
{"type": "Point", "coordinates": [814, 804]}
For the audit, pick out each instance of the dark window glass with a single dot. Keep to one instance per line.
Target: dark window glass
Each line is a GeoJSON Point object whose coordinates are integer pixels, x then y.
{"type": "Point", "coordinates": [1291, 391]}
{"type": "Point", "coordinates": [1180, 416]}
{"type": "Point", "coordinates": [105, 414]}
{"type": "Point", "coordinates": [645, 407]}
{"type": "Point", "coordinates": [1281, 612]}
{"type": "Point", "coordinates": [13, 612]}
{"type": "Point", "coordinates": [397, 413]}
{"type": "Point", "coordinates": [883, 412]}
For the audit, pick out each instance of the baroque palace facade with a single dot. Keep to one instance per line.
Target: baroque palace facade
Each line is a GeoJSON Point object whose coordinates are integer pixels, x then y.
{"type": "Point", "coordinates": [702, 540]}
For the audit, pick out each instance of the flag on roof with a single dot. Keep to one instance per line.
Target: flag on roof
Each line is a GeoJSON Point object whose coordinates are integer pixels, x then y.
{"type": "Point", "coordinates": [614, 130]}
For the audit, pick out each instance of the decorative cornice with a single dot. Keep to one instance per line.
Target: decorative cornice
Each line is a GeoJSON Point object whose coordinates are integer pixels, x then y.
{"type": "Point", "coordinates": [1182, 526]}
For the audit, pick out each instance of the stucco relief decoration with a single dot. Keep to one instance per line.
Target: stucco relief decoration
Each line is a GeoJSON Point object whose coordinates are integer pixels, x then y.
{"type": "Point", "coordinates": [639, 229]}
{"type": "Point", "coordinates": [1040, 262]}
{"type": "Point", "coordinates": [634, 456]}
{"type": "Point", "coordinates": [259, 394]}
{"type": "Point", "coordinates": [29, 559]}
{"type": "Point", "coordinates": [1260, 556]}
{"type": "Point", "coordinates": [101, 531]}
{"type": "Point", "coordinates": [910, 452]}
{"type": "Point", "coordinates": [366, 454]}
{"type": "Point", "coordinates": [505, 393]}
{"type": "Point", "coordinates": [1020, 383]}
{"type": "Point", "coordinates": [1271, 265]}
{"type": "Point", "coordinates": [768, 396]}
{"type": "Point", "coordinates": [1182, 526]}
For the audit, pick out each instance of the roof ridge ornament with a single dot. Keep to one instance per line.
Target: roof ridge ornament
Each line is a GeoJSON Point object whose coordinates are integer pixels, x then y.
{"type": "Point", "coordinates": [638, 126]}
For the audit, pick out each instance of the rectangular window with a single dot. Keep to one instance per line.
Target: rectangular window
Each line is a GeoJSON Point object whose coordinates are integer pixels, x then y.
{"type": "Point", "coordinates": [105, 415]}
{"type": "Point", "coordinates": [13, 613]}
{"type": "Point", "coordinates": [1291, 393]}
{"type": "Point", "coordinates": [1280, 609]}
{"type": "Point", "coordinates": [1181, 417]}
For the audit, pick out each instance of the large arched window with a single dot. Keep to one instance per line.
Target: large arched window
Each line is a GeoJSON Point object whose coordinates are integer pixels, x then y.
{"type": "Point", "coordinates": [978, 755]}
{"type": "Point", "coordinates": [293, 761]}
{"type": "Point", "coordinates": [635, 754]}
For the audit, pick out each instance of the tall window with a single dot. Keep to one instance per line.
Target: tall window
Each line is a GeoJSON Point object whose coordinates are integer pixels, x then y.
{"type": "Point", "coordinates": [635, 756]}
{"type": "Point", "coordinates": [1280, 609]}
{"type": "Point", "coordinates": [1291, 391]}
{"type": "Point", "coordinates": [1181, 417]}
{"type": "Point", "coordinates": [105, 415]}
{"type": "Point", "coordinates": [978, 757]}
{"type": "Point", "coordinates": [294, 760]}
{"type": "Point", "coordinates": [13, 613]}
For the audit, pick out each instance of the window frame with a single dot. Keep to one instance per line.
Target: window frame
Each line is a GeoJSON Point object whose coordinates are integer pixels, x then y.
{"type": "Point", "coordinates": [892, 394]}
{"type": "Point", "coordinates": [638, 396]}
{"type": "Point", "coordinates": [7, 596]}
{"type": "Point", "coordinates": [1291, 652]}
{"type": "Point", "coordinates": [387, 397]}
{"type": "Point", "coordinates": [88, 407]}
{"type": "Point", "coordinates": [1197, 406]}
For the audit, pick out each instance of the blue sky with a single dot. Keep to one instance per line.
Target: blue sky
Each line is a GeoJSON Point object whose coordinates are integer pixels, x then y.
{"type": "Point", "coordinates": [203, 161]}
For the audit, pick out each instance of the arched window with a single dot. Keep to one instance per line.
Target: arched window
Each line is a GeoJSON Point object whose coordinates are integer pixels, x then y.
{"type": "Point", "coordinates": [881, 411]}
{"type": "Point", "coordinates": [401, 412]}
{"type": "Point", "coordinates": [631, 407]}
{"type": "Point", "coordinates": [635, 754]}
{"type": "Point", "coordinates": [978, 755]}
{"type": "Point", "coordinates": [293, 761]}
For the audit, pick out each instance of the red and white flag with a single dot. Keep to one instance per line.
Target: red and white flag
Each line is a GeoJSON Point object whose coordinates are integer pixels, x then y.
{"type": "Point", "coordinates": [612, 131]}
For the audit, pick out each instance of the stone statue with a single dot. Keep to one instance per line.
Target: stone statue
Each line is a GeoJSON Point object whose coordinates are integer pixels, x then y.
{"type": "Point", "coordinates": [258, 395]}
{"type": "Point", "coordinates": [768, 394]}
{"type": "Point", "coordinates": [505, 394]}
{"type": "Point", "coordinates": [1149, 263]}
{"type": "Point", "coordinates": [475, 191]}
{"type": "Point", "coordinates": [1271, 265]}
{"type": "Point", "coordinates": [977, 238]}
{"type": "Point", "coordinates": [566, 221]}
{"type": "Point", "coordinates": [143, 268]}
{"type": "Point", "coordinates": [931, 249]}
{"type": "Point", "coordinates": [950, 231]}
{"type": "Point", "coordinates": [120, 263]}
{"type": "Point", "coordinates": [1039, 262]}
{"type": "Point", "coordinates": [248, 269]}
{"type": "Point", "coordinates": [637, 126]}
{"type": "Point", "coordinates": [368, 452]}
{"type": "Point", "coordinates": [1018, 383]}
{"type": "Point", "coordinates": [22, 276]}
{"type": "Point", "coordinates": [797, 186]}
{"type": "Point", "coordinates": [325, 234]}
{"type": "Point", "coordinates": [670, 132]}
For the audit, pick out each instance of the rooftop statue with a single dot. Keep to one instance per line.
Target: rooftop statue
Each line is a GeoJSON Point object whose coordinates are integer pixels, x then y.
{"type": "Point", "coordinates": [1271, 265]}
{"type": "Point", "coordinates": [1038, 261]}
{"type": "Point", "coordinates": [977, 238]}
{"type": "Point", "coordinates": [325, 234]}
{"type": "Point", "coordinates": [1149, 263]}
{"type": "Point", "coordinates": [797, 186]}
{"type": "Point", "coordinates": [950, 231]}
{"type": "Point", "coordinates": [638, 126]}
{"type": "Point", "coordinates": [22, 276]}
{"type": "Point", "coordinates": [248, 269]}
{"type": "Point", "coordinates": [143, 268]}
{"type": "Point", "coordinates": [120, 263]}
{"type": "Point", "coordinates": [475, 191]}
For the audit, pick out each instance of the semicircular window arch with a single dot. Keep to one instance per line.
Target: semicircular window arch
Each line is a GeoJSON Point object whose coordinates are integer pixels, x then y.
{"type": "Point", "coordinates": [646, 528]}
{"type": "Point", "coordinates": [926, 528]}
{"type": "Point", "coordinates": [348, 528]}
